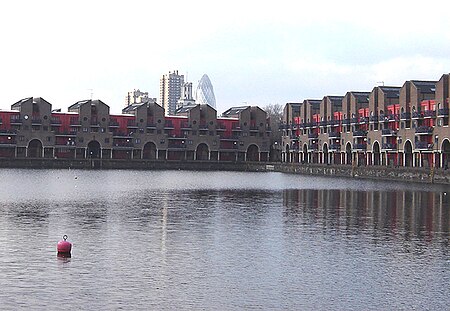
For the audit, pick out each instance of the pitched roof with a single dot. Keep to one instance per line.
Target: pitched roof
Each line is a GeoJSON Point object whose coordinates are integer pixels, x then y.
{"type": "Point", "coordinates": [391, 91]}
{"type": "Point", "coordinates": [425, 86]}
{"type": "Point", "coordinates": [234, 111]}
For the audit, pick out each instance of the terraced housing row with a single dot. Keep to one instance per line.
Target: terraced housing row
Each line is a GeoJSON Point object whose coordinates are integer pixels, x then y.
{"type": "Point", "coordinates": [32, 130]}
{"type": "Point", "coordinates": [395, 126]}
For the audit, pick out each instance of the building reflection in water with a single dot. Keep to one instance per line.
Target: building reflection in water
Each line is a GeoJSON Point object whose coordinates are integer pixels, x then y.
{"type": "Point", "coordinates": [410, 214]}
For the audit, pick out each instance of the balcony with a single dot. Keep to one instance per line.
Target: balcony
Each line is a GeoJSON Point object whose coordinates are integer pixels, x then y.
{"type": "Point", "coordinates": [122, 135]}
{"type": "Point", "coordinates": [65, 133]}
{"type": "Point", "coordinates": [373, 119]}
{"type": "Point", "coordinates": [388, 117]}
{"type": "Point", "coordinates": [423, 145]}
{"type": "Point", "coordinates": [360, 147]}
{"type": "Point", "coordinates": [323, 123]}
{"type": "Point", "coordinates": [313, 147]}
{"type": "Point", "coordinates": [424, 130]}
{"type": "Point", "coordinates": [334, 135]}
{"type": "Point", "coordinates": [346, 122]}
{"type": "Point", "coordinates": [313, 136]}
{"type": "Point", "coordinates": [94, 122]}
{"type": "Point", "coordinates": [335, 147]}
{"type": "Point", "coordinates": [55, 121]}
{"type": "Point", "coordinates": [132, 124]}
{"type": "Point", "coordinates": [443, 112]}
{"type": "Point", "coordinates": [417, 115]}
{"type": "Point", "coordinates": [8, 142]}
{"type": "Point", "coordinates": [363, 120]}
{"type": "Point", "coordinates": [168, 125]}
{"type": "Point", "coordinates": [75, 122]}
{"type": "Point", "coordinates": [36, 121]}
{"type": "Point", "coordinates": [122, 145]}
{"type": "Point", "coordinates": [404, 116]}
{"type": "Point", "coordinates": [185, 126]}
{"type": "Point", "coordinates": [334, 122]}
{"type": "Point", "coordinates": [7, 132]}
{"type": "Point", "coordinates": [354, 120]}
{"type": "Point", "coordinates": [389, 146]}
{"type": "Point", "coordinates": [388, 132]}
{"type": "Point", "coordinates": [15, 120]}
{"type": "Point", "coordinates": [429, 114]}
{"type": "Point", "coordinates": [359, 133]}
{"type": "Point", "coordinates": [113, 123]}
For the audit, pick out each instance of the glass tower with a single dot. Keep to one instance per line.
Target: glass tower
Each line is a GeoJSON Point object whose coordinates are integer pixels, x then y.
{"type": "Point", "coordinates": [205, 92]}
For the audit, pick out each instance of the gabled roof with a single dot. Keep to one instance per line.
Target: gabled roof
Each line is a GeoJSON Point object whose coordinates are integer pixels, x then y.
{"type": "Point", "coordinates": [313, 102]}
{"type": "Point", "coordinates": [391, 91]}
{"type": "Point", "coordinates": [79, 103]}
{"type": "Point", "coordinates": [425, 86]}
{"type": "Point", "coordinates": [35, 100]}
{"type": "Point", "coordinates": [131, 108]}
{"type": "Point", "coordinates": [335, 100]}
{"type": "Point", "coordinates": [234, 111]}
{"type": "Point", "coordinates": [361, 97]}
{"type": "Point", "coordinates": [186, 108]}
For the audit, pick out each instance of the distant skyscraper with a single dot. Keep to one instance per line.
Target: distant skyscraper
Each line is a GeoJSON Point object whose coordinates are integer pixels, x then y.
{"type": "Point", "coordinates": [205, 92]}
{"type": "Point", "coordinates": [170, 91]}
{"type": "Point", "coordinates": [186, 95]}
{"type": "Point", "coordinates": [137, 97]}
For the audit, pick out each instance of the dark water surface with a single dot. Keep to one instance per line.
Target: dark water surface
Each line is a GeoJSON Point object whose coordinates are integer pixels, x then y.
{"type": "Point", "coordinates": [176, 240]}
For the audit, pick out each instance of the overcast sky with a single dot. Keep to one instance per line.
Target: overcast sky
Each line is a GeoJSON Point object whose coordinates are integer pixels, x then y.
{"type": "Point", "coordinates": [254, 52]}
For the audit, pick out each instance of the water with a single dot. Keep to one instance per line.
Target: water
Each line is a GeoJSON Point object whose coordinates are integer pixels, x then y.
{"type": "Point", "coordinates": [176, 240]}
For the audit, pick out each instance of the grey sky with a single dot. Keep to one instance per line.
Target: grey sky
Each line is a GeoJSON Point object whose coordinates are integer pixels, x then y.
{"type": "Point", "coordinates": [255, 52]}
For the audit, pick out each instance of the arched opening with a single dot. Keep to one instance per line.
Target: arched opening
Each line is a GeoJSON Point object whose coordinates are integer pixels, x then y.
{"type": "Point", "coordinates": [408, 151]}
{"type": "Point", "coordinates": [348, 153]}
{"type": "Point", "coordinates": [325, 154]}
{"type": "Point", "coordinates": [34, 149]}
{"type": "Point", "coordinates": [376, 153]}
{"type": "Point", "coordinates": [202, 152]}
{"type": "Point", "coordinates": [445, 153]}
{"type": "Point", "coordinates": [287, 154]}
{"type": "Point", "coordinates": [305, 153]}
{"type": "Point", "coordinates": [93, 150]}
{"type": "Point", "coordinates": [149, 151]}
{"type": "Point", "coordinates": [252, 153]}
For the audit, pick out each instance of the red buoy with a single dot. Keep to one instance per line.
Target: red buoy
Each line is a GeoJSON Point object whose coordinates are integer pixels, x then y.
{"type": "Point", "coordinates": [64, 247]}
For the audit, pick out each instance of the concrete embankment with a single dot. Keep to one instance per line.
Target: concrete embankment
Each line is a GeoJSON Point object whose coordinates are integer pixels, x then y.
{"type": "Point", "coordinates": [419, 175]}
{"type": "Point", "coordinates": [406, 174]}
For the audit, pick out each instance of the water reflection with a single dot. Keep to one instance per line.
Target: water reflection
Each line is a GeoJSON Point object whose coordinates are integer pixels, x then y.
{"type": "Point", "coordinates": [410, 214]}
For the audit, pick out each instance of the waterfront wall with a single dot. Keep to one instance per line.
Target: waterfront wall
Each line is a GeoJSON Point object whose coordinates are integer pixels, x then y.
{"type": "Point", "coordinates": [417, 175]}
{"type": "Point", "coordinates": [405, 174]}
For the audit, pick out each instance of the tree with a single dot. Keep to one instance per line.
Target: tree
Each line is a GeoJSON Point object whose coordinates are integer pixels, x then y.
{"type": "Point", "coordinates": [275, 114]}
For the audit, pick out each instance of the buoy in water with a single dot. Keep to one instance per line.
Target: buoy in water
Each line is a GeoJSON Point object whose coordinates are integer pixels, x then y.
{"type": "Point", "coordinates": [64, 247]}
